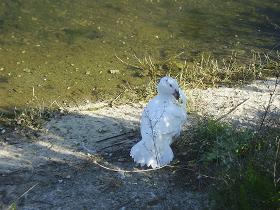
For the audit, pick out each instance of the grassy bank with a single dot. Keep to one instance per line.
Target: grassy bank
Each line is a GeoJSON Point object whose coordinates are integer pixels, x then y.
{"type": "Point", "coordinates": [202, 71]}
{"type": "Point", "coordinates": [239, 168]}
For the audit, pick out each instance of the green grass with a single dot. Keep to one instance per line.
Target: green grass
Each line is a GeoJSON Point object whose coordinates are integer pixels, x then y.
{"type": "Point", "coordinates": [201, 72]}
{"type": "Point", "coordinates": [243, 165]}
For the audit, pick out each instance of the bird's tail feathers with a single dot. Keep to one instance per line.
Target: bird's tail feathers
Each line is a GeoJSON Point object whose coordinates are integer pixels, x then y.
{"type": "Point", "coordinates": [146, 154]}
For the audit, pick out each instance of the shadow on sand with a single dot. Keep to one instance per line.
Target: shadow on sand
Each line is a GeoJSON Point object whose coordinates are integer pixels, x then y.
{"type": "Point", "coordinates": [56, 161]}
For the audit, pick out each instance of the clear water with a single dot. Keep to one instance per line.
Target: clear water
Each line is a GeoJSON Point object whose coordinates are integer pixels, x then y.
{"type": "Point", "coordinates": [66, 49]}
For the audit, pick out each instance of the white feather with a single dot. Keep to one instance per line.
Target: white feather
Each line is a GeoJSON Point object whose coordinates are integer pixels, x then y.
{"type": "Point", "coordinates": [161, 121]}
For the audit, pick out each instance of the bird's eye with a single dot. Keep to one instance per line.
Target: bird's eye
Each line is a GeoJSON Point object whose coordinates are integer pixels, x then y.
{"type": "Point", "coordinates": [170, 85]}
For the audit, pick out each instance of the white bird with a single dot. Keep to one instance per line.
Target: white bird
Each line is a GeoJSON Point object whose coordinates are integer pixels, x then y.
{"type": "Point", "coordinates": [162, 120]}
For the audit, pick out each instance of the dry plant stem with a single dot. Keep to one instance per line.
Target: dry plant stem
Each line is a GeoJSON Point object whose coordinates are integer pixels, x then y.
{"type": "Point", "coordinates": [152, 169]}
{"type": "Point", "coordinates": [137, 67]}
{"type": "Point", "coordinates": [174, 57]}
{"type": "Point", "coordinates": [128, 171]}
{"type": "Point", "coordinates": [275, 163]}
{"type": "Point", "coordinates": [111, 137]}
{"type": "Point", "coordinates": [111, 104]}
{"type": "Point", "coordinates": [10, 206]}
{"type": "Point", "coordinates": [135, 56]}
{"type": "Point", "coordinates": [154, 134]}
{"type": "Point", "coordinates": [269, 104]}
{"type": "Point", "coordinates": [234, 108]}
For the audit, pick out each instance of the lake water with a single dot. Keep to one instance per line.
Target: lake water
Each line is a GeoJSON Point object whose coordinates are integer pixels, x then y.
{"type": "Point", "coordinates": [65, 50]}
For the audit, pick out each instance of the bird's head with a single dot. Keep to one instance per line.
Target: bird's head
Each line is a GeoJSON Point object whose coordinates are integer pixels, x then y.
{"type": "Point", "coordinates": [168, 86]}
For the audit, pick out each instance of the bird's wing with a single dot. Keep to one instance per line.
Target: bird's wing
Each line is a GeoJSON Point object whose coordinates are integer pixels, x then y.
{"type": "Point", "coordinates": [162, 117]}
{"type": "Point", "coordinates": [151, 116]}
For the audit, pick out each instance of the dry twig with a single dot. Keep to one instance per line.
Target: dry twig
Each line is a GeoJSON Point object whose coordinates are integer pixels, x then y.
{"type": "Point", "coordinates": [275, 163]}
{"type": "Point", "coordinates": [128, 64]}
{"type": "Point", "coordinates": [11, 205]}
{"type": "Point", "coordinates": [231, 110]}
{"type": "Point", "coordinates": [267, 108]}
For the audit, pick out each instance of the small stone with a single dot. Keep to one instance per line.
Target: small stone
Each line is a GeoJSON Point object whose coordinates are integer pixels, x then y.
{"type": "Point", "coordinates": [60, 181]}
{"type": "Point", "coordinates": [101, 130]}
{"type": "Point", "coordinates": [121, 159]}
{"type": "Point", "coordinates": [68, 177]}
{"type": "Point", "coordinates": [3, 131]}
{"type": "Point", "coordinates": [88, 73]}
{"type": "Point", "coordinates": [2, 69]}
{"type": "Point", "coordinates": [114, 71]}
{"type": "Point", "coordinates": [27, 70]}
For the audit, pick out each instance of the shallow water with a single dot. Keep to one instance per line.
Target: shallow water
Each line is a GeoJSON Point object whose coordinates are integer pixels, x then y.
{"type": "Point", "coordinates": [64, 50]}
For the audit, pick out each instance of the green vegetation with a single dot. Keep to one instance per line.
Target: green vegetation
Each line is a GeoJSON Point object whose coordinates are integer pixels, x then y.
{"type": "Point", "coordinates": [200, 72]}
{"type": "Point", "coordinates": [240, 167]}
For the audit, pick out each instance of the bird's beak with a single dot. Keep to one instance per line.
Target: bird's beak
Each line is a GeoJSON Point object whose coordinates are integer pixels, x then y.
{"type": "Point", "coordinates": [176, 94]}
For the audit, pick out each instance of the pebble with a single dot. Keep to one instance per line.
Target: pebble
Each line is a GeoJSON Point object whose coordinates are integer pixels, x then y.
{"type": "Point", "coordinates": [27, 70]}
{"type": "Point", "coordinates": [114, 71]}
{"type": "Point", "coordinates": [101, 130]}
